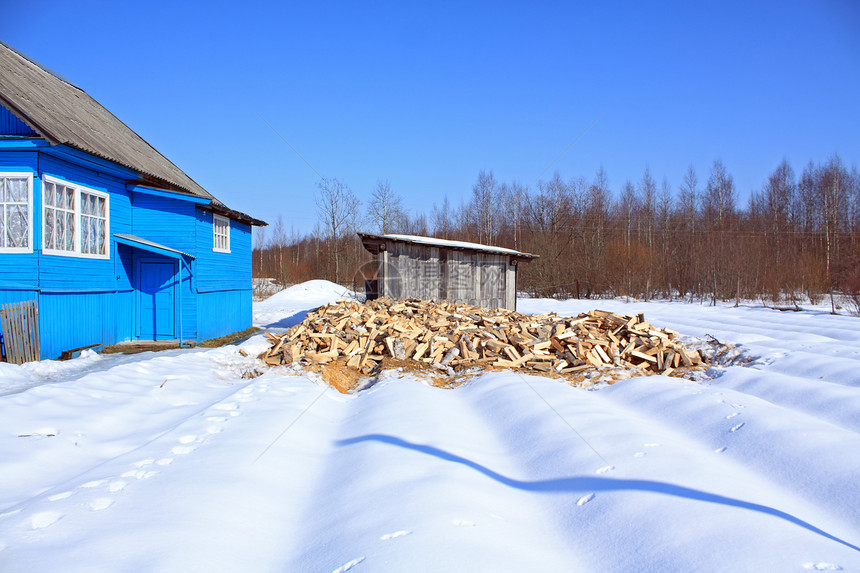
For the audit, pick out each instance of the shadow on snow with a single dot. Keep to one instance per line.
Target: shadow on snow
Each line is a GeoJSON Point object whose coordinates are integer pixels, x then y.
{"type": "Point", "coordinates": [593, 484]}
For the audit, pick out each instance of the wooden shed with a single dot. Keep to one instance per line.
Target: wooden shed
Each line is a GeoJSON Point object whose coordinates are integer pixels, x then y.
{"type": "Point", "coordinates": [411, 266]}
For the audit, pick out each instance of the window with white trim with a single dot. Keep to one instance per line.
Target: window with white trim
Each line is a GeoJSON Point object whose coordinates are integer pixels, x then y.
{"type": "Point", "coordinates": [93, 224]}
{"type": "Point", "coordinates": [16, 213]}
{"type": "Point", "coordinates": [75, 220]}
{"type": "Point", "coordinates": [220, 234]}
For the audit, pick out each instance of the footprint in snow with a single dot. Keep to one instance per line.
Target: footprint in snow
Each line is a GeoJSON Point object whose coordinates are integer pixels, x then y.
{"type": "Point", "coordinates": [585, 499]}
{"type": "Point", "coordinates": [720, 450]}
{"type": "Point", "coordinates": [395, 535]}
{"type": "Point", "coordinates": [732, 415]}
{"type": "Point", "coordinates": [226, 407]}
{"type": "Point", "coordinates": [213, 430]}
{"type": "Point", "coordinates": [94, 483]}
{"type": "Point", "coordinates": [143, 463]}
{"type": "Point", "coordinates": [45, 519]}
{"type": "Point", "coordinates": [138, 474]}
{"type": "Point", "coordinates": [821, 566]}
{"type": "Point", "coordinates": [639, 455]}
{"type": "Point", "coordinates": [59, 496]}
{"type": "Point", "coordinates": [738, 427]}
{"type": "Point", "coordinates": [100, 503]}
{"type": "Point", "coordinates": [605, 469]}
{"type": "Point", "coordinates": [165, 461]}
{"type": "Point", "coordinates": [187, 439]}
{"type": "Point", "coordinates": [116, 486]}
{"type": "Point", "coordinates": [348, 565]}
{"type": "Point", "coordinates": [182, 450]}
{"type": "Point", "coordinates": [216, 419]}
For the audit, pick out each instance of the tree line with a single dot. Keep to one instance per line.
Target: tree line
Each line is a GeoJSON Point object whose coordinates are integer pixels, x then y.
{"type": "Point", "coordinates": [796, 237]}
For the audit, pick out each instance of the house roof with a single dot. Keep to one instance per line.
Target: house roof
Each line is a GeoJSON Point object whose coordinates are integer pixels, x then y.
{"type": "Point", "coordinates": [62, 113]}
{"type": "Point", "coordinates": [371, 242]}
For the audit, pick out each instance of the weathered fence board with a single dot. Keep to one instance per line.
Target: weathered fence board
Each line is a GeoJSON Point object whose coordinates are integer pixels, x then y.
{"type": "Point", "coordinates": [20, 324]}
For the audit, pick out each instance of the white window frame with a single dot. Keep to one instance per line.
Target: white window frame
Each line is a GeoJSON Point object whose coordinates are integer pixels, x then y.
{"type": "Point", "coordinates": [80, 225]}
{"type": "Point", "coordinates": [224, 223]}
{"type": "Point", "coordinates": [76, 240]}
{"type": "Point", "coordinates": [29, 177]}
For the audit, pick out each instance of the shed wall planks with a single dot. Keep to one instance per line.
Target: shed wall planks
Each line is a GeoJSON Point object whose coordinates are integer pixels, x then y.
{"type": "Point", "coordinates": [432, 273]}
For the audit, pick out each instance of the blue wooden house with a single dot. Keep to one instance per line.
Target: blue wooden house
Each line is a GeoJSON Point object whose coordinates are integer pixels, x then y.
{"type": "Point", "coordinates": [111, 239]}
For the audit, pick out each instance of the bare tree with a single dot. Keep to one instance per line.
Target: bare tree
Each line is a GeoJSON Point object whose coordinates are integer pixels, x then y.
{"type": "Point", "coordinates": [385, 209]}
{"type": "Point", "coordinates": [779, 198]}
{"type": "Point", "coordinates": [417, 225]}
{"type": "Point", "coordinates": [441, 218]}
{"type": "Point", "coordinates": [627, 208]}
{"type": "Point", "coordinates": [483, 197]}
{"type": "Point", "coordinates": [831, 191]}
{"type": "Point", "coordinates": [337, 208]}
{"type": "Point", "coordinates": [260, 234]}
{"type": "Point", "coordinates": [664, 223]}
{"type": "Point", "coordinates": [719, 198]}
{"type": "Point", "coordinates": [688, 208]}
{"type": "Point", "coordinates": [719, 211]}
{"type": "Point", "coordinates": [279, 242]}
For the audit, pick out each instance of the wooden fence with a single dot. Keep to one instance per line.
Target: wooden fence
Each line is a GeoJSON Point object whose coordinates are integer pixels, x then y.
{"type": "Point", "coordinates": [20, 324]}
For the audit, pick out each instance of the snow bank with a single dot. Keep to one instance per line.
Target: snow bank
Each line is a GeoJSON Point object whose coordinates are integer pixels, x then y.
{"type": "Point", "coordinates": [288, 307]}
{"type": "Point", "coordinates": [173, 461]}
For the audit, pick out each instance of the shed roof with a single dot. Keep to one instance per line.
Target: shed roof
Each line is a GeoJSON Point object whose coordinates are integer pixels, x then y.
{"type": "Point", "coordinates": [370, 240]}
{"type": "Point", "coordinates": [62, 113]}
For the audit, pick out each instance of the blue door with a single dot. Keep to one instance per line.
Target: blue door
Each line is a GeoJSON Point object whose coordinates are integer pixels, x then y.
{"type": "Point", "coordinates": [157, 300]}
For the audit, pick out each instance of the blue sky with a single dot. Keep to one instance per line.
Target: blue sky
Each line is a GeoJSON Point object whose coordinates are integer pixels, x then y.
{"type": "Point", "coordinates": [426, 95]}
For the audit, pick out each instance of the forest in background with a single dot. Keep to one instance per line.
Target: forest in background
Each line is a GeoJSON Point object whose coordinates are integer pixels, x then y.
{"type": "Point", "coordinates": [795, 238]}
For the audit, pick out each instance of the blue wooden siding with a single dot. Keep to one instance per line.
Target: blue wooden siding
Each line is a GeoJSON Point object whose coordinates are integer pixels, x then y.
{"type": "Point", "coordinates": [223, 279]}
{"type": "Point", "coordinates": [164, 220]}
{"type": "Point", "coordinates": [81, 301]}
{"type": "Point", "coordinates": [170, 222]}
{"type": "Point", "coordinates": [229, 311]}
{"type": "Point", "coordinates": [222, 271]}
{"type": "Point", "coordinates": [11, 125]}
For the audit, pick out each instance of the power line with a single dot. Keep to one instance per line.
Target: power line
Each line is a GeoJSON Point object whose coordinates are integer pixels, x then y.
{"type": "Point", "coordinates": [566, 149]}
{"type": "Point", "coordinates": [291, 147]}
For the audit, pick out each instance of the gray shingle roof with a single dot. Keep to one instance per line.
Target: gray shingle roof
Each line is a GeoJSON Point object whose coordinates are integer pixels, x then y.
{"type": "Point", "coordinates": [62, 113]}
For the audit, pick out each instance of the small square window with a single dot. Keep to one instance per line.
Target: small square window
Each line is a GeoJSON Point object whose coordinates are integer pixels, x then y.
{"type": "Point", "coordinates": [220, 234]}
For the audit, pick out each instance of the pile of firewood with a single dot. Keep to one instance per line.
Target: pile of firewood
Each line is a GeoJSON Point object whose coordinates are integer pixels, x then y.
{"type": "Point", "coordinates": [455, 337]}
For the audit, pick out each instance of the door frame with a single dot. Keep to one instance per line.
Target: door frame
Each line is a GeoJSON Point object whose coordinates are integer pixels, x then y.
{"type": "Point", "coordinates": [137, 294]}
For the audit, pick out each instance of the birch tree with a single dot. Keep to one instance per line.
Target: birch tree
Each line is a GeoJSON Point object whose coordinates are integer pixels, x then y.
{"type": "Point", "coordinates": [385, 209]}
{"type": "Point", "coordinates": [337, 209]}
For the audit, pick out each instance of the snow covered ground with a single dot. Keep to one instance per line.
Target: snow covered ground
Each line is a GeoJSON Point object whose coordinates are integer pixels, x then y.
{"type": "Point", "coordinates": [172, 461]}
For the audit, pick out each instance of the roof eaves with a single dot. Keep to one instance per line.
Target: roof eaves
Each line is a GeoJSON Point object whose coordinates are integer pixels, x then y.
{"type": "Point", "coordinates": [29, 121]}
